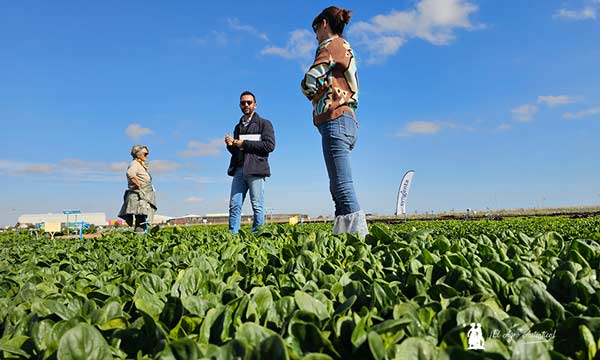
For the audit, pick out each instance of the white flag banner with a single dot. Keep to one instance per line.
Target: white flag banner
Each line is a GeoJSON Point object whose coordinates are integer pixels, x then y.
{"type": "Point", "coordinates": [403, 192]}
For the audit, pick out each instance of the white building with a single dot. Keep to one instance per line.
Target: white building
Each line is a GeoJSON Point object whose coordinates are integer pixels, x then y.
{"type": "Point", "coordinates": [95, 218]}
{"type": "Point", "coordinates": [160, 219]}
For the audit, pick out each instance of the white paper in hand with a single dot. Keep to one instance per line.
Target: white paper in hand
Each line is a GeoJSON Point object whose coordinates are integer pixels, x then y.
{"type": "Point", "coordinates": [250, 137]}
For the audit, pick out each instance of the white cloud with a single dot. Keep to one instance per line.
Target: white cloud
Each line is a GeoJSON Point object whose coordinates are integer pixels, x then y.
{"type": "Point", "coordinates": [553, 101]}
{"type": "Point", "coordinates": [584, 14]}
{"type": "Point", "coordinates": [135, 131]}
{"type": "Point", "coordinates": [78, 170]}
{"type": "Point", "coordinates": [581, 114]}
{"type": "Point", "coordinates": [421, 128]}
{"type": "Point", "coordinates": [524, 113]}
{"type": "Point", "coordinates": [84, 166]}
{"type": "Point", "coordinates": [504, 127]}
{"type": "Point", "coordinates": [218, 38]}
{"type": "Point", "coordinates": [235, 24]}
{"type": "Point", "coordinates": [300, 46]}
{"type": "Point", "coordinates": [9, 167]}
{"type": "Point", "coordinates": [117, 167]}
{"type": "Point", "coordinates": [39, 169]}
{"type": "Point", "coordinates": [434, 21]}
{"type": "Point", "coordinates": [431, 127]}
{"type": "Point", "coordinates": [196, 148]}
{"type": "Point", "coordinates": [193, 200]}
{"type": "Point", "coordinates": [384, 46]}
{"type": "Point", "coordinates": [199, 179]}
{"type": "Point", "coordinates": [162, 166]}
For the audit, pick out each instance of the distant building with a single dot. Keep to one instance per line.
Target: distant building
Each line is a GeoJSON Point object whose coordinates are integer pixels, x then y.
{"type": "Point", "coordinates": [161, 219]}
{"type": "Point", "coordinates": [223, 218]}
{"type": "Point", "coordinates": [95, 218]}
{"type": "Point", "coordinates": [198, 219]}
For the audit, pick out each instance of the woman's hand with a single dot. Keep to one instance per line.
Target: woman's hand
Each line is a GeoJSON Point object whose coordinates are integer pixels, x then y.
{"type": "Point", "coordinates": [136, 183]}
{"type": "Point", "coordinates": [321, 89]}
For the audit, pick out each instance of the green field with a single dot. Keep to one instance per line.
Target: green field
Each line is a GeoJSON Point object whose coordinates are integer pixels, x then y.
{"type": "Point", "coordinates": [407, 291]}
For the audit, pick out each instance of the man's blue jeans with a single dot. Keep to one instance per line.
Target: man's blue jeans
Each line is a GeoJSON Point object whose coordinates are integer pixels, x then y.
{"type": "Point", "coordinates": [239, 188]}
{"type": "Point", "coordinates": [338, 139]}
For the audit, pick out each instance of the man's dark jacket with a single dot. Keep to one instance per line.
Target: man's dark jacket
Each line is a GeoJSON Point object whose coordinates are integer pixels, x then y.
{"type": "Point", "coordinates": [255, 154]}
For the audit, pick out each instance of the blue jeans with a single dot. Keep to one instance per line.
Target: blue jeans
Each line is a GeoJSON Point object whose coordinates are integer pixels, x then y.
{"type": "Point", "coordinates": [239, 188]}
{"type": "Point", "coordinates": [338, 139]}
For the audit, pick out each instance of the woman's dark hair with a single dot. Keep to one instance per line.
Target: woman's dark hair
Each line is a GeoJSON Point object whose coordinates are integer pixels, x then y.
{"type": "Point", "coordinates": [336, 18]}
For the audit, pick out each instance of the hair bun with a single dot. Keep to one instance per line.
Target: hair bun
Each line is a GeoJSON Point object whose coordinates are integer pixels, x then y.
{"type": "Point", "coordinates": [346, 15]}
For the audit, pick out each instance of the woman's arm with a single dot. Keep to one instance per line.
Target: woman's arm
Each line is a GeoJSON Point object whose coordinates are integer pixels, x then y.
{"type": "Point", "coordinates": [315, 79]}
{"type": "Point", "coordinates": [132, 172]}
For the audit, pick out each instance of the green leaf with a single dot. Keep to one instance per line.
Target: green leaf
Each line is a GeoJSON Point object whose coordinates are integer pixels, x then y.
{"type": "Point", "coordinates": [191, 282]}
{"type": "Point", "coordinates": [500, 268]}
{"type": "Point", "coordinates": [488, 281]}
{"type": "Point", "coordinates": [311, 305]}
{"type": "Point", "coordinates": [376, 345]}
{"type": "Point", "coordinates": [153, 284]}
{"type": "Point", "coordinates": [418, 349]}
{"type": "Point", "coordinates": [148, 302]}
{"type": "Point", "coordinates": [318, 356]}
{"type": "Point", "coordinates": [536, 303]}
{"type": "Point", "coordinates": [441, 244]}
{"type": "Point", "coordinates": [359, 333]}
{"type": "Point", "coordinates": [41, 334]}
{"type": "Point", "coordinates": [117, 323]}
{"type": "Point", "coordinates": [83, 342]}
{"type": "Point", "coordinates": [13, 346]}
{"type": "Point", "coordinates": [552, 240]}
{"type": "Point", "coordinates": [261, 300]}
{"type": "Point", "coordinates": [309, 338]}
{"type": "Point", "coordinates": [583, 249]}
{"type": "Point", "coordinates": [45, 307]}
{"type": "Point", "coordinates": [58, 330]}
{"type": "Point", "coordinates": [196, 305]}
{"type": "Point", "coordinates": [563, 286]}
{"type": "Point", "coordinates": [272, 347]}
{"type": "Point", "coordinates": [252, 334]}
{"type": "Point", "coordinates": [476, 313]}
{"type": "Point", "coordinates": [340, 310]}
{"type": "Point", "coordinates": [391, 326]}
{"type": "Point", "coordinates": [527, 350]}
{"type": "Point", "coordinates": [172, 312]}
{"type": "Point", "coordinates": [438, 291]}
{"type": "Point", "coordinates": [381, 233]}
{"type": "Point", "coordinates": [180, 349]}
{"type": "Point", "coordinates": [496, 346]}
{"type": "Point", "coordinates": [590, 347]}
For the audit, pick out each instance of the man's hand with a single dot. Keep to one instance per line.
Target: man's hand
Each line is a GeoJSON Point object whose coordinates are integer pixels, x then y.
{"type": "Point", "coordinates": [229, 140]}
{"type": "Point", "coordinates": [238, 143]}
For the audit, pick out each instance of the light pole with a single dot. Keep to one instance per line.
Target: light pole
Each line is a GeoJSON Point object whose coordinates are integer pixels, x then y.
{"type": "Point", "coordinates": [270, 212]}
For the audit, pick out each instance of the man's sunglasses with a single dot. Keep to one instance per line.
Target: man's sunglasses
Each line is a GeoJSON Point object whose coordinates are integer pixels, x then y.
{"type": "Point", "coordinates": [246, 102]}
{"type": "Point", "coordinates": [146, 154]}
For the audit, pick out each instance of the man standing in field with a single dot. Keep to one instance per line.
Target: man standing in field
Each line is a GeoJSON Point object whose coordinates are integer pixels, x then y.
{"type": "Point", "coordinates": [252, 141]}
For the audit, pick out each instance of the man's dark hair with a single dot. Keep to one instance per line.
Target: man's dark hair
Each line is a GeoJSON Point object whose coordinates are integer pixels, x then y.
{"type": "Point", "coordinates": [248, 93]}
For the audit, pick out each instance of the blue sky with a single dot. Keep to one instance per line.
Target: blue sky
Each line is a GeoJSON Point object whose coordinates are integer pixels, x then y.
{"type": "Point", "coordinates": [494, 104]}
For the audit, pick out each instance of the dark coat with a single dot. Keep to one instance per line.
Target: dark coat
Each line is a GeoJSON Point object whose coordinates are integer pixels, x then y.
{"type": "Point", "coordinates": [255, 153]}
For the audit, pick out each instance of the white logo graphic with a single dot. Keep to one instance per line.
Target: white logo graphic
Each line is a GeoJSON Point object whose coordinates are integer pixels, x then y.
{"type": "Point", "coordinates": [475, 336]}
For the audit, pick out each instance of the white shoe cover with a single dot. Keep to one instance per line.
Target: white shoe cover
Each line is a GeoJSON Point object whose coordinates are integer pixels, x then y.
{"type": "Point", "coordinates": [351, 224]}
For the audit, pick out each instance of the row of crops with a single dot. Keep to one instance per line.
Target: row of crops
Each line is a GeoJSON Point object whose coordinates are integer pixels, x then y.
{"type": "Point", "coordinates": [408, 291]}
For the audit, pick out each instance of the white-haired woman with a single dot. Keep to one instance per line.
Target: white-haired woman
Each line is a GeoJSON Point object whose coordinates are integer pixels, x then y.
{"type": "Point", "coordinates": [139, 201]}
